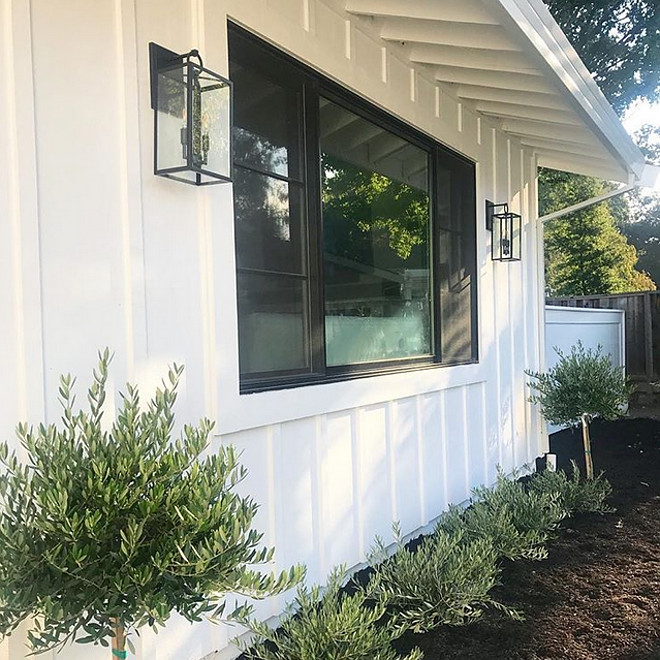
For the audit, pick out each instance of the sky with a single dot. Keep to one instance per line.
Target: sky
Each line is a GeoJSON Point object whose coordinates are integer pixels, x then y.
{"type": "Point", "coordinates": [640, 113]}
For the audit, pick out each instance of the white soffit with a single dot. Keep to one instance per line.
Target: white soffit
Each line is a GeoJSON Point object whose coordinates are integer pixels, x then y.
{"type": "Point", "coordinates": [509, 61]}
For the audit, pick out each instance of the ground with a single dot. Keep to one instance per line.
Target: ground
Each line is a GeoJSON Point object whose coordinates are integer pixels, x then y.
{"type": "Point", "coordinates": [597, 596]}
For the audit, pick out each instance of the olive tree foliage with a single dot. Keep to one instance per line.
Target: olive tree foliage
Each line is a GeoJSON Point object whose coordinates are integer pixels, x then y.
{"type": "Point", "coordinates": [445, 580]}
{"type": "Point", "coordinates": [517, 522]}
{"type": "Point", "coordinates": [574, 494]}
{"type": "Point", "coordinates": [108, 527]}
{"type": "Point", "coordinates": [330, 626]}
{"type": "Point", "coordinates": [583, 385]}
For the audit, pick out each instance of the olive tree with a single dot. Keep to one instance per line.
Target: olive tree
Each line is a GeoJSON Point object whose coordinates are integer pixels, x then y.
{"type": "Point", "coordinates": [583, 385]}
{"type": "Point", "coordinates": [108, 527]}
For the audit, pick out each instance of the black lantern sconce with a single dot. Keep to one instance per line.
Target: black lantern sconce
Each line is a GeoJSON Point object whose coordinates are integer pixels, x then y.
{"type": "Point", "coordinates": [192, 118]}
{"type": "Point", "coordinates": [505, 227]}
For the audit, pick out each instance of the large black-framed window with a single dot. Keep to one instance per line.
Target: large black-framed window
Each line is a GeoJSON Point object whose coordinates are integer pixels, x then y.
{"type": "Point", "coordinates": [355, 233]}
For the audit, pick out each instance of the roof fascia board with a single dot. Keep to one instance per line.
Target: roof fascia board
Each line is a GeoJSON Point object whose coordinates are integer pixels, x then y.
{"type": "Point", "coordinates": [546, 37]}
{"type": "Point", "coordinates": [587, 203]}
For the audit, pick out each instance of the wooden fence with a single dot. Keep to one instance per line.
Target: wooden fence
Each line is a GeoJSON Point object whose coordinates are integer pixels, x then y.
{"type": "Point", "coordinates": [642, 326]}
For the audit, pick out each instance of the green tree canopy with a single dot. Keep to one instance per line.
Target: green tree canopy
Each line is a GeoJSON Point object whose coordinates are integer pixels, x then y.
{"type": "Point", "coordinates": [366, 205]}
{"type": "Point", "coordinates": [585, 253]}
{"type": "Point", "coordinates": [619, 41]}
{"type": "Point", "coordinates": [642, 224]}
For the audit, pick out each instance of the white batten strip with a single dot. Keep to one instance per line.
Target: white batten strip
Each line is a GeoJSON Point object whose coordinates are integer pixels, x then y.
{"type": "Point", "coordinates": [419, 431]}
{"type": "Point", "coordinates": [358, 482]}
{"type": "Point", "coordinates": [306, 17]}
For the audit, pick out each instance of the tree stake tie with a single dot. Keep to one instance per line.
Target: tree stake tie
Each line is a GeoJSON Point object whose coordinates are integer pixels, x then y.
{"type": "Point", "coordinates": [119, 654]}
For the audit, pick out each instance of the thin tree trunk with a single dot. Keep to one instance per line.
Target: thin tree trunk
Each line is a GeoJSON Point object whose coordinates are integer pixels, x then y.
{"type": "Point", "coordinates": [586, 441]}
{"type": "Point", "coordinates": [118, 641]}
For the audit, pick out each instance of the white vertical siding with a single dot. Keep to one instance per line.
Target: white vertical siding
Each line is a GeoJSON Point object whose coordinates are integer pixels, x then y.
{"type": "Point", "coordinates": [95, 251]}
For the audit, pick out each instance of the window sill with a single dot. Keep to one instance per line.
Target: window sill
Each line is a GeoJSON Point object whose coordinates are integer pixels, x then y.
{"type": "Point", "coordinates": [341, 374]}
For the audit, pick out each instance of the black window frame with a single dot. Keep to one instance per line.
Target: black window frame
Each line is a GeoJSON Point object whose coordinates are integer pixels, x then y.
{"type": "Point", "coordinates": [314, 86]}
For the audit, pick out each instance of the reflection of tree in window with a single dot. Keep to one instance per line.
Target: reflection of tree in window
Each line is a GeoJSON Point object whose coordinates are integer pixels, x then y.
{"type": "Point", "coordinates": [358, 203]}
{"type": "Point", "coordinates": [258, 151]}
{"type": "Point", "coordinates": [376, 235]}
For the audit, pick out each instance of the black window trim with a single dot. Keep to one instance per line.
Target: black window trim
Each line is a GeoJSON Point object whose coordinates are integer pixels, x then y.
{"type": "Point", "coordinates": [321, 86]}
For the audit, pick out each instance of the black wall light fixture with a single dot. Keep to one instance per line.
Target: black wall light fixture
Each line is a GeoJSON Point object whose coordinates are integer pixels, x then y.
{"type": "Point", "coordinates": [505, 227]}
{"type": "Point", "coordinates": [192, 118]}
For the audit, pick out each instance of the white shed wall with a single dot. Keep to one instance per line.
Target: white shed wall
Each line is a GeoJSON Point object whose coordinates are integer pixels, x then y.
{"type": "Point", "coordinates": [96, 251]}
{"type": "Point", "coordinates": [565, 326]}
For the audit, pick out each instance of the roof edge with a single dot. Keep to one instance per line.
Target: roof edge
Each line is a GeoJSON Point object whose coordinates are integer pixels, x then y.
{"type": "Point", "coordinates": [536, 22]}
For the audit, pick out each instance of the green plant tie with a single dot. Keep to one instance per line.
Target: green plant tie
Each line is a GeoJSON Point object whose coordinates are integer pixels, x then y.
{"type": "Point", "coordinates": [119, 654]}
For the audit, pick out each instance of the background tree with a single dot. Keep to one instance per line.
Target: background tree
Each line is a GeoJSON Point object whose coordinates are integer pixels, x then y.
{"type": "Point", "coordinates": [585, 253]}
{"type": "Point", "coordinates": [619, 42]}
{"type": "Point", "coordinates": [642, 224]}
{"type": "Point", "coordinates": [107, 528]}
{"type": "Point", "coordinates": [365, 207]}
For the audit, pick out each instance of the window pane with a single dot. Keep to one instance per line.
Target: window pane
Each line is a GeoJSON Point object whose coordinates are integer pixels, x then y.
{"type": "Point", "coordinates": [272, 323]}
{"type": "Point", "coordinates": [269, 222]}
{"type": "Point", "coordinates": [376, 235]}
{"type": "Point", "coordinates": [267, 123]}
{"type": "Point", "coordinates": [457, 260]}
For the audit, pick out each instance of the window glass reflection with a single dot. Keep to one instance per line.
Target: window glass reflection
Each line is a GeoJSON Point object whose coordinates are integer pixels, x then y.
{"type": "Point", "coordinates": [376, 236]}
{"type": "Point", "coordinates": [266, 124]}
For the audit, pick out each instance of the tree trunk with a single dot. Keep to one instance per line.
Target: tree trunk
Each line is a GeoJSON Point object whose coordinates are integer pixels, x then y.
{"type": "Point", "coordinates": [586, 441]}
{"type": "Point", "coordinates": [118, 641]}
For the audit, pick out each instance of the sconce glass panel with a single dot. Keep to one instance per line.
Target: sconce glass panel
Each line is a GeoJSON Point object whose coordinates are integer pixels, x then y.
{"type": "Point", "coordinates": [192, 120]}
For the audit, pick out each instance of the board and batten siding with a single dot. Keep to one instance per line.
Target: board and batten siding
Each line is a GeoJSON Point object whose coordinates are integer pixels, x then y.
{"type": "Point", "coordinates": [95, 251]}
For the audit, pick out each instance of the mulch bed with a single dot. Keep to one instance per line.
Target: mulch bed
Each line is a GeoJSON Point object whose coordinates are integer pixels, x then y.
{"type": "Point", "coordinates": [597, 596]}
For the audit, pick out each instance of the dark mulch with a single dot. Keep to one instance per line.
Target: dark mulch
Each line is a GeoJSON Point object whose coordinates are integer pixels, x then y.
{"type": "Point", "coordinates": [597, 597]}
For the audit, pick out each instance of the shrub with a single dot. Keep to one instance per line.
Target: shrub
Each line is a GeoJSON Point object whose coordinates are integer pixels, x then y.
{"type": "Point", "coordinates": [575, 495]}
{"type": "Point", "coordinates": [445, 580]}
{"type": "Point", "coordinates": [516, 522]}
{"type": "Point", "coordinates": [110, 527]}
{"type": "Point", "coordinates": [580, 387]}
{"type": "Point", "coordinates": [335, 626]}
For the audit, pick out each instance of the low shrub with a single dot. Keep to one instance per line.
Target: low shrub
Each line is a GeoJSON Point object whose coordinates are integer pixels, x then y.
{"type": "Point", "coordinates": [445, 580]}
{"type": "Point", "coordinates": [574, 494]}
{"type": "Point", "coordinates": [332, 626]}
{"type": "Point", "coordinates": [516, 522]}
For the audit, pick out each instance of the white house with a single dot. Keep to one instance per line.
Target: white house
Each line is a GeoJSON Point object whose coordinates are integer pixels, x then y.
{"type": "Point", "coordinates": [364, 350]}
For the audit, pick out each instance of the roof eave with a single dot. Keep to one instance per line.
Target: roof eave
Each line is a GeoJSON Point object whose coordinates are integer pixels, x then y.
{"type": "Point", "coordinates": [545, 36]}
